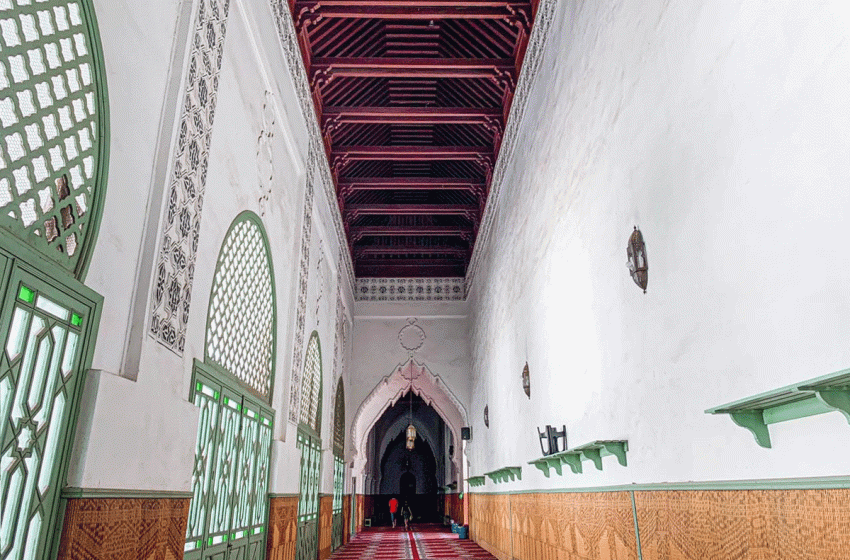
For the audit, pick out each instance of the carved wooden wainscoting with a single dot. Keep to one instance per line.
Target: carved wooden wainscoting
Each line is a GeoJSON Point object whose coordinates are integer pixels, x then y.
{"type": "Point", "coordinates": [735, 524]}
{"type": "Point", "coordinates": [325, 525]}
{"type": "Point", "coordinates": [124, 528]}
{"type": "Point", "coordinates": [454, 507]}
{"type": "Point", "coordinates": [346, 519]}
{"type": "Point", "coordinates": [283, 525]}
{"type": "Point", "coordinates": [361, 512]}
{"type": "Point", "coordinates": [763, 524]}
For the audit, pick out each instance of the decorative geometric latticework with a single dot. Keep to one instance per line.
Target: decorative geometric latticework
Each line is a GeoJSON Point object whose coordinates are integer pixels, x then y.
{"type": "Point", "coordinates": [240, 333]}
{"type": "Point", "coordinates": [53, 126]}
{"type": "Point", "coordinates": [339, 420]}
{"type": "Point", "coordinates": [38, 375]}
{"type": "Point", "coordinates": [231, 474]}
{"type": "Point", "coordinates": [311, 384]}
{"type": "Point", "coordinates": [178, 247]}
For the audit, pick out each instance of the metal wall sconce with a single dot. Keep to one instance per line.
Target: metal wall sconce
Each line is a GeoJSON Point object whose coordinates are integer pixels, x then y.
{"type": "Point", "coordinates": [551, 437]}
{"type": "Point", "coordinates": [526, 381]}
{"type": "Point", "coordinates": [637, 263]}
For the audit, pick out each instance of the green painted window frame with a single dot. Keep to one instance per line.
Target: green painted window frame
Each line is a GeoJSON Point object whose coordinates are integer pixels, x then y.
{"type": "Point", "coordinates": [79, 263]}
{"type": "Point", "coordinates": [246, 216]}
{"type": "Point", "coordinates": [312, 425]}
{"type": "Point", "coordinates": [827, 393]}
{"type": "Point", "coordinates": [20, 264]}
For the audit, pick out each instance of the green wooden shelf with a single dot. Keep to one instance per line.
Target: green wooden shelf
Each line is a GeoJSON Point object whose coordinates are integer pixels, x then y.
{"type": "Point", "coordinates": [476, 480]}
{"type": "Point", "coordinates": [593, 451]}
{"type": "Point", "coordinates": [505, 474]}
{"type": "Point", "coordinates": [828, 393]}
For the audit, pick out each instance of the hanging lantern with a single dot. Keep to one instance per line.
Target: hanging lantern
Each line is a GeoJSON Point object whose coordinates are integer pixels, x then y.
{"type": "Point", "coordinates": [638, 266]}
{"type": "Point", "coordinates": [411, 437]}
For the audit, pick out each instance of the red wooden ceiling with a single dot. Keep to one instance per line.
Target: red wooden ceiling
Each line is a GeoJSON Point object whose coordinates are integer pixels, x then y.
{"type": "Point", "coordinates": [412, 97]}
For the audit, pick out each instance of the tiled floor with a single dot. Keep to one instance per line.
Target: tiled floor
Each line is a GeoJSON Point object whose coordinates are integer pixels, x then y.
{"type": "Point", "coordinates": [425, 542]}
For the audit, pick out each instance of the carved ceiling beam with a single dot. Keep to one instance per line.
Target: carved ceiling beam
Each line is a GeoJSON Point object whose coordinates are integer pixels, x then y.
{"type": "Point", "coordinates": [325, 69]}
{"type": "Point", "coordinates": [359, 232]}
{"type": "Point", "coordinates": [336, 116]}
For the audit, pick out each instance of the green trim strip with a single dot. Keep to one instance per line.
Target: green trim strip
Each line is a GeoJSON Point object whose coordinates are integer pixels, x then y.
{"type": "Point", "coordinates": [72, 493]}
{"type": "Point", "coordinates": [637, 529]}
{"type": "Point", "coordinates": [815, 483]}
{"type": "Point", "coordinates": [283, 495]}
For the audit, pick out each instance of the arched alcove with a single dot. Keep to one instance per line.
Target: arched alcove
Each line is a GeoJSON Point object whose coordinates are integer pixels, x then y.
{"type": "Point", "coordinates": [408, 376]}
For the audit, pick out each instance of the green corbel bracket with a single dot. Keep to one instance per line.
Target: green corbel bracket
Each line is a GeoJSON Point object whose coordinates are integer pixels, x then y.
{"type": "Point", "coordinates": [836, 399]}
{"type": "Point", "coordinates": [545, 465]}
{"type": "Point", "coordinates": [617, 449]}
{"type": "Point", "coordinates": [573, 460]}
{"type": "Point", "coordinates": [505, 474]}
{"type": "Point", "coordinates": [753, 420]}
{"type": "Point", "coordinates": [555, 464]}
{"type": "Point", "coordinates": [595, 455]}
{"type": "Point", "coordinates": [476, 481]}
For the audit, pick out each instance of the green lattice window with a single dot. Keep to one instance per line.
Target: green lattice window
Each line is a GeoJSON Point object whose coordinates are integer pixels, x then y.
{"type": "Point", "coordinates": [240, 329]}
{"type": "Point", "coordinates": [54, 120]}
{"type": "Point", "coordinates": [311, 384]}
{"type": "Point", "coordinates": [230, 481]}
{"type": "Point", "coordinates": [339, 420]}
{"type": "Point", "coordinates": [47, 334]}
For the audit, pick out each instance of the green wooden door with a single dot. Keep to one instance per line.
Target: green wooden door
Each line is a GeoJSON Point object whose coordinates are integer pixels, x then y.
{"type": "Point", "coordinates": [307, 540]}
{"type": "Point", "coordinates": [229, 510]}
{"type": "Point", "coordinates": [47, 327]}
{"type": "Point", "coordinates": [339, 485]}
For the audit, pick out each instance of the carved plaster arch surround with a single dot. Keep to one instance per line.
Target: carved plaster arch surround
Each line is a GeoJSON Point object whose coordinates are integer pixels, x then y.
{"type": "Point", "coordinates": [429, 387]}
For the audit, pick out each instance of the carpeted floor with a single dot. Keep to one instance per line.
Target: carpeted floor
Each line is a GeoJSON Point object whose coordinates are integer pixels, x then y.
{"type": "Point", "coordinates": [425, 542]}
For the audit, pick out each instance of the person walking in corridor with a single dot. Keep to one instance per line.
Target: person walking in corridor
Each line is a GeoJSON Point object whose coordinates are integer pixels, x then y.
{"type": "Point", "coordinates": [407, 515]}
{"type": "Point", "coordinates": [393, 510]}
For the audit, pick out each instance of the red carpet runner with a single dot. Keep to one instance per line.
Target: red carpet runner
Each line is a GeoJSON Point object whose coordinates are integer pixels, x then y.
{"type": "Point", "coordinates": [425, 542]}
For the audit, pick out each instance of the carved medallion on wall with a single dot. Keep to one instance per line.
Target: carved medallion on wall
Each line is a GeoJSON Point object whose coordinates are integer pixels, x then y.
{"type": "Point", "coordinates": [411, 336]}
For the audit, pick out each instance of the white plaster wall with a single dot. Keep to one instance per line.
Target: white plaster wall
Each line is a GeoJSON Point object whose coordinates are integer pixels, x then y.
{"type": "Point", "coordinates": [140, 434]}
{"type": "Point", "coordinates": [722, 130]}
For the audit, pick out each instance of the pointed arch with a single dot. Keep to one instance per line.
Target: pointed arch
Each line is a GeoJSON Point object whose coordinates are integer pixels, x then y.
{"type": "Point", "coordinates": [409, 375]}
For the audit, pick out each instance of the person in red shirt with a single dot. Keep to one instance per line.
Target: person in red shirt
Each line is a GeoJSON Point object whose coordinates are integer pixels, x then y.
{"type": "Point", "coordinates": [393, 510]}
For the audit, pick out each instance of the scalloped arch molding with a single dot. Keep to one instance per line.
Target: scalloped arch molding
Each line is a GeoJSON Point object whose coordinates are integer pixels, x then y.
{"type": "Point", "coordinates": [430, 387]}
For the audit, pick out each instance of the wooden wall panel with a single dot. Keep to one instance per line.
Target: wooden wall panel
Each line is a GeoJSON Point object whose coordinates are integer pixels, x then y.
{"type": "Point", "coordinates": [454, 508]}
{"type": "Point", "coordinates": [118, 528]}
{"type": "Point", "coordinates": [283, 524]}
{"type": "Point", "coordinates": [745, 525]}
{"type": "Point", "coordinates": [573, 526]}
{"type": "Point", "coordinates": [346, 519]}
{"type": "Point", "coordinates": [360, 513]}
{"type": "Point", "coordinates": [490, 523]}
{"type": "Point", "coordinates": [673, 525]}
{"type": "Point", "coordinates": [326, 503]}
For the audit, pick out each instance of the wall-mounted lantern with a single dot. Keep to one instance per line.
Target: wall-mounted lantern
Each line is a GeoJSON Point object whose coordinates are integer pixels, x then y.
{"type": "Point", "coordinates": [637, 263]}
{"type": "Point", "coordinates": [411, 437]}
{"type": "Point", "coordinates": [526, 381]}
